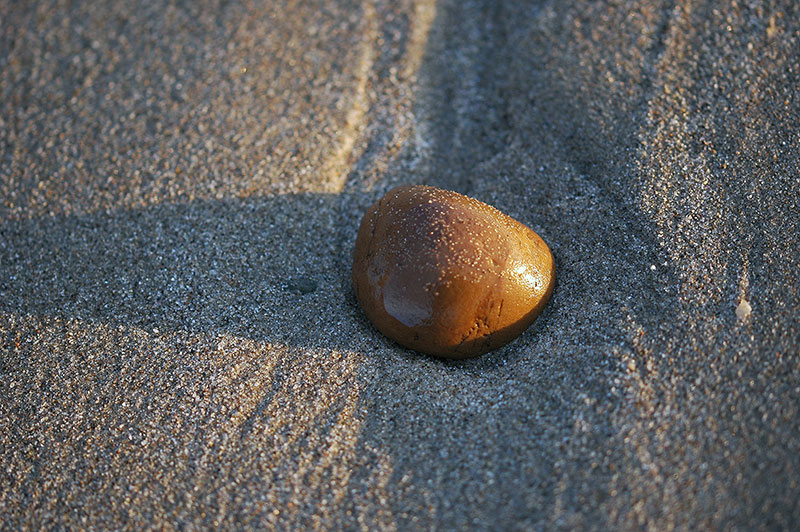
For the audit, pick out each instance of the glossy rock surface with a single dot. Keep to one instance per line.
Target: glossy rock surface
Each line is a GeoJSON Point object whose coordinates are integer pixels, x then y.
{"type": "Point", "coordinates": [448, 275]}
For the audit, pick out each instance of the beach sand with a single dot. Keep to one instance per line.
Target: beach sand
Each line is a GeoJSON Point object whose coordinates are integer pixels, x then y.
{"type": "Point", "coordinates": [180, 188]}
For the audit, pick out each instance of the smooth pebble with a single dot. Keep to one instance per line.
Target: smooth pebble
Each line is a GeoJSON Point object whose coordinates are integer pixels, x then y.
{"type": "Point", "coordinates": [448, 275]}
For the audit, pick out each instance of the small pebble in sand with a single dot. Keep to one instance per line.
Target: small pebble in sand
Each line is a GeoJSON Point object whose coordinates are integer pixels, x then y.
{"type": "Point", "coordinates": [743, 310]}
{"type": "Point", "coordinates": [448, 275]}
{"type": "Point", "coordinates": [303, 285]}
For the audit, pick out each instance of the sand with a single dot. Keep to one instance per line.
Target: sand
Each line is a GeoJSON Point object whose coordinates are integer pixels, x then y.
{"type": "Point", "coordinates": [180, 188]}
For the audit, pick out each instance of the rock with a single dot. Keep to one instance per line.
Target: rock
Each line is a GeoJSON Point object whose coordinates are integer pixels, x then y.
{"type": "Point", "coordinates": [743, 310]}
{"type": "Point", "coordinates": [448, 275]}
{"type": "Point", "coordinates": [304, 285]}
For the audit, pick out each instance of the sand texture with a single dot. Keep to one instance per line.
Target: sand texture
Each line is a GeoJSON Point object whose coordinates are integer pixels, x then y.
{"type": "Point", "coordinates": [180, 189]}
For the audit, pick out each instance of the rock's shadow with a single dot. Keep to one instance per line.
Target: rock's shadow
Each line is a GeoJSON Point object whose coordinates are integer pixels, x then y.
{"type": "Point", "coordinates": [244, 267]}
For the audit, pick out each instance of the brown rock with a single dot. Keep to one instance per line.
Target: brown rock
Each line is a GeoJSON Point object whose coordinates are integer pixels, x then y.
{"type": "Point", "coordinates": [448, 275]}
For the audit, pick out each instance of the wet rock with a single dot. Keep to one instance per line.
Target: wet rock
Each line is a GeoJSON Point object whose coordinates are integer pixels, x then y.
{"type": "Point", "coordinates": [448, 275]}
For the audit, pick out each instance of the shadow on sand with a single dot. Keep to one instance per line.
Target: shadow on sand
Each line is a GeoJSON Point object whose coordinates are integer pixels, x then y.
{"type": "Point", "coordinates": [243, 267]}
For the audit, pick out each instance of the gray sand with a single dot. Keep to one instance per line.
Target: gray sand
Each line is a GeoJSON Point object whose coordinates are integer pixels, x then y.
{"type": "Point", "coordinates": [180, 188]}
